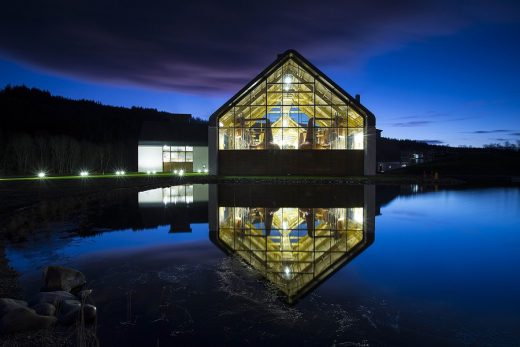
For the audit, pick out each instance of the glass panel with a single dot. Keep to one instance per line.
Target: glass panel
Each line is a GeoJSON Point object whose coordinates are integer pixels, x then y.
{"type": "Point", "coordinates": [290, 138]}
{"type": "Point", "coordinates": [225, 138]}
{"type": "Point", "coordinates": [274, 114]}
{"type": "Point", "coordinates": [166, 156]}
{"type": "Point", "coordinates": [189, 157]}
{"type": "Point", "coordinates": [274, 98]}
{"type": "Point", "coordinates": [178, 157]}
{"type": "Point", "coordinates": [294, 102]}
{"type": "Point", "coordinates": [336, 100]}
{"type": "Point", "coordinates": [189, 149]}
{"type": "Point", "coordinates": [355, 139]}
{"type": "Point", "coordinates": [257, 136]}
{"type": "Point", "coordinates": [258, 112]}
{"type": "Point", "coordinates": [226, 120]}
{"type": "Point", "coordinates": [258, 95]}
{"type": "Point", "coordinates": [323, 94]}
{"type": "Point", "coordinates": [354, 119]}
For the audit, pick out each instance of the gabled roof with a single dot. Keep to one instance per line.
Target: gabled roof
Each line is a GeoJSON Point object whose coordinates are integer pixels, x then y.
{"type": "Point", "coordinates": [311, 69]}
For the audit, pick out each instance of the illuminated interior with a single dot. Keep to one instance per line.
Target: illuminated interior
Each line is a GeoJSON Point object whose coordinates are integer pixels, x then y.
{"type": "Point", "coordinates": [292, 247]}
{"type": "Point", "coordinates": [290, 109]}
{"type": "Point", "coordinates": [177, 158]}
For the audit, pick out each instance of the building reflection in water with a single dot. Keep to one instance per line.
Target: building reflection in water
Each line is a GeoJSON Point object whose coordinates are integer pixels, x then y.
{"type": "Point", "coordinates": [177, 206]}
{"type": "Point", "coordinates": [297, 236]}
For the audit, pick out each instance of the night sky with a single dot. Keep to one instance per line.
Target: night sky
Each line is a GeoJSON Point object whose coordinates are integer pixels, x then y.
{"type": "Point", "coordinates": [442, 71]}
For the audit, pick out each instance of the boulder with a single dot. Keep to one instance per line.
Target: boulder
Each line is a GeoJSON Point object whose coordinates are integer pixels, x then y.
{"type": "Point", "coordinates": [45, 309]}
{"type": "Point", "coordinates": [83, 294]}
{"type": "Point", "coordinates": [17, 317]}
{"type": "Point", "coordinates": [62, 278]}
{"type": "Point", "coordinates": [54, 298]}
{"type": "Point", "coordinates": [7, 305]}
{"type": "Point", "coordinates": [71, 310]}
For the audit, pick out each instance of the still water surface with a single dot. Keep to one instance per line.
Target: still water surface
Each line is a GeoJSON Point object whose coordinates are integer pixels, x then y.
{"type": "Point", "coordinates": [257, 265]}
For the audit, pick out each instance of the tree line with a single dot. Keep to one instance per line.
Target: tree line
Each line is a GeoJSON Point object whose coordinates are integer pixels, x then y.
{"type": "Point", "coordinates": [40, 131]}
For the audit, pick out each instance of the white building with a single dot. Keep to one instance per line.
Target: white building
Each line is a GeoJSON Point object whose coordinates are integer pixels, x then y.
{"type": "Point", "coordinates": [172, 145]}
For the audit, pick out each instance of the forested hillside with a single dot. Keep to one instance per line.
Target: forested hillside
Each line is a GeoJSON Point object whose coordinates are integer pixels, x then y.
{"type": "Point", "coordinates": [43, 132]}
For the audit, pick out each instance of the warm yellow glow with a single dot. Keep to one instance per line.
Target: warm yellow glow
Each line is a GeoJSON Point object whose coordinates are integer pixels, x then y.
{"type": "Point", "coordinates": [291, 246]}
{"type": "Point", "coordinates": [283, 104]}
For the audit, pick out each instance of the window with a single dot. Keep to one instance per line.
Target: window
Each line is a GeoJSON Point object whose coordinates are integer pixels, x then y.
{"type": "Point", "coordinates": [291, 110]}
{"type": "Point", "coordinates": [177, 154]}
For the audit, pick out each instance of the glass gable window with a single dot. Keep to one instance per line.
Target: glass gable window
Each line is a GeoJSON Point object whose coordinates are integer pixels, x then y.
{"type": "Point", "coordinates": [291, 110]}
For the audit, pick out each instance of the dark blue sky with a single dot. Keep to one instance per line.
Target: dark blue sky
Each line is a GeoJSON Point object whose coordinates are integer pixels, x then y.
{"type": "Point", "coordinates": [429, 70]}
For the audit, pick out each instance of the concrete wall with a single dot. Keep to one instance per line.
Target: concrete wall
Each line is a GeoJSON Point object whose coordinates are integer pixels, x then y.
{"type": "Point", "coordinates": [213, 150]}
{"type": "Point", "coordinates": [149, 158]}
{"type": "Point", "coordinates": [200, 157]}
{"type": "Point", "coordinates": [370, 151]}
{"type": "Point", "coordinates": [291, 162]}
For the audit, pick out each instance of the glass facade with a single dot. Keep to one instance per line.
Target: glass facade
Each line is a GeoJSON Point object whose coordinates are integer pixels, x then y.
{"type": "Point", "coordinates": [291, 110]}
{"type": "Point", "coordinates": [177, 158]}
{"type": "Point", "coordinates": [177, 154]}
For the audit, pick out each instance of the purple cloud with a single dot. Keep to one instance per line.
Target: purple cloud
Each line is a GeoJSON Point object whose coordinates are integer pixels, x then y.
{"type": "Point", "coordinates": [211, 47]}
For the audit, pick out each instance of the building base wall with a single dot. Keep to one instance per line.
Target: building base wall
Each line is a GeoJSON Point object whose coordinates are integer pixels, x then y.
{"type": "Point", "coordinates": [291, 162]}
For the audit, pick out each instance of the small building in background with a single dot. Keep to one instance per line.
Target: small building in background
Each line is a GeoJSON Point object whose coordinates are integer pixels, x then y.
{"type": "Point", "coordinates": [166, 146]}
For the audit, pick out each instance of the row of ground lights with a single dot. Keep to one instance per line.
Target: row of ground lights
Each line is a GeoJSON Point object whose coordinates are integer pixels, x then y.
{"type": "Point", "coordinates": [84, 173]}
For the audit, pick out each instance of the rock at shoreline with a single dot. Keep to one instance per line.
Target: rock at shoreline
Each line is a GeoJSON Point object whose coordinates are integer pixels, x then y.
{"type": "Point", "coordinates": [71, 310]}
{"type": "Point", "coordinates": [53, 298]}
{"type": "Point", "coordinates": [45, 309]}
{"type": "Point", "coordinates": [16, 316]}
{"type": "Point", "coordinates": [61, 278]}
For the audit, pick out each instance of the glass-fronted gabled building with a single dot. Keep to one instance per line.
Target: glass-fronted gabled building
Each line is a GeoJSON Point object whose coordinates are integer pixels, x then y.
{"type": "Point", "coordinates": [292, 119]}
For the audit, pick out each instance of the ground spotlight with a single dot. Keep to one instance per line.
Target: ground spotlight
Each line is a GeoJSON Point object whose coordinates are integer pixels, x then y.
{"type": "Point", "coordinates": [84, 173]}
{"type": "Point", "coordinates": [41, 174]}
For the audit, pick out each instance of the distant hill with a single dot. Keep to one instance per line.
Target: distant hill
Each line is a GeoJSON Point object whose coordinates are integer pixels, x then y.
{"type": "Point", "coordinates": [38, 130]}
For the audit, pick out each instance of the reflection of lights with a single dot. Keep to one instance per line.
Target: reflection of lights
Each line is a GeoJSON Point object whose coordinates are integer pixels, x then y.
{"type": "Point", "coordinates": [166, 147]}
{"type": "Point", "coordinates": [154, 172]}
{"type": "Point", "coordinates": [287, 273]}
{"type": "Point", "coordinates": [165, 200]}
{"type": "Point", "coordinates": [220, 124]}
{"type": "Point", "coordinates": [285, 225]}
{"type": "Point", "coordinates": [148, 172]}
{"type": "Point", "coordinates": [41, 174]}
{"type": "Point", "coordinates": [181, 172]}
{"type": "Point", "coordinates": [83, 173]}
{"type": "Point", "coordinates": [205, 170]}
{"type": "Point", "coordinates": [285, 124]}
